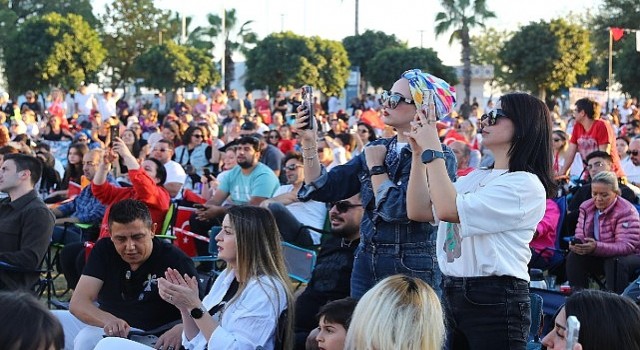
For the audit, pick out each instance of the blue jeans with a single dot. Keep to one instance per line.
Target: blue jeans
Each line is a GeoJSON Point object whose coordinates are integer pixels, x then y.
{"type": "Point", "coordinates": [375, 261]}
{"type": "Point", "coordinates": [491, 312]}
{"type": "Point", "coordinates": [66, 235]}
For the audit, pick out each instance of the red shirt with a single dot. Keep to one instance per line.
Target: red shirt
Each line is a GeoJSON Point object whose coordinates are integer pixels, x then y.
{"type": "Point", "coordinates": [143, 189]}
{"type": "Point", "coordinates": [600, 133]}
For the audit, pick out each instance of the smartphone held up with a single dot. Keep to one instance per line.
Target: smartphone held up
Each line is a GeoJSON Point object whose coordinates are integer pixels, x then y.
{"type": "Point", "coordinates": [307, 105]}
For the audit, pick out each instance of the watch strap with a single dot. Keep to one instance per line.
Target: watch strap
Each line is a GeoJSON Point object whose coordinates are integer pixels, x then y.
{"type": "Point", "coordinates": [378, 170]}
{"type": "Point", "coordinates": [430, 155]}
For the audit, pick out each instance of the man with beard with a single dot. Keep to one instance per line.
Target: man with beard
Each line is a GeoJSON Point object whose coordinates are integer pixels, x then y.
{"type": "Point", "coordinates": [332, 274]}
{"type": "Point", "coordinates": [290, 213]}
{"type": "Point", "coordinates": [249, 183]}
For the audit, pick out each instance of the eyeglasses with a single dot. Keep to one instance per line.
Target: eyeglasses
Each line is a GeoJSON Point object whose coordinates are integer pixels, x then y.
{"type": "Point", "coordinates": [596, 165]}
{"type": "Point", "coordinates": [633, 153]}
{"type": "Point", "coordinates": [363, 131]}
{"type": "Point", "coordinates": [293, 167]}
{"type": "Point", "coordinates": [344, 206]}
{"type": "Point", "coordinates": [198, 136]}
{"type": "Point", "coordinates": [394, 99]}
{"type": "Point", "coordinates": [493, 116]}
{"type": "Point", "coordinates": [275, 137]}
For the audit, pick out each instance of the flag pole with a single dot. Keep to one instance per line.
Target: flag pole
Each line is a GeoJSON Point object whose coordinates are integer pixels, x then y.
{"type": "Point", "coordinates": [610, 70]}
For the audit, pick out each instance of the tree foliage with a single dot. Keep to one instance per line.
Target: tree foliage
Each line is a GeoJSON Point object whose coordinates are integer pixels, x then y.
{"type": "Point", "coordinates": [547, 56]}
{"type": "Point", "coordinates": [385, 68]}
{"type": "Point", "coordinates": [461, 16]}
{"type": "Point", "coordinates": [621, 14]}
{"type": "Point", "coordinates": [52, 50]}
{"type": "Point", "coordinates": [170, 65]}
{"type": "Point", "coordinates": [289, 60]}
{"type": "Point", "coordinates": [485, 50]}
{"type": "Point", "coordinates": [236, 38]}
{"type": "Point", "coordinates": [362, 48]}
{"type": "Point", "coordinates": [13, 13]}
{"type": "Point", "coordinates": [130, 28]}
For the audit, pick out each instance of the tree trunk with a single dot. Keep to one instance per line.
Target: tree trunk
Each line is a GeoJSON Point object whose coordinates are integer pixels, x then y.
{"type": "Point", "coordinates": [466, 72]}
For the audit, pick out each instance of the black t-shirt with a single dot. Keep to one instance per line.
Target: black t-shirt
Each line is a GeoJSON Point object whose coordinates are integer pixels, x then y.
{"type": "Point", "coordinates": [133, 295]}
{"type": "Point", "coordinates": [332, 273]}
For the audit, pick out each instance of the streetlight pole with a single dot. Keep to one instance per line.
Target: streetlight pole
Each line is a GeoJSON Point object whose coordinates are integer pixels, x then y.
{"type": "Point", "coordinates": [224, 48]}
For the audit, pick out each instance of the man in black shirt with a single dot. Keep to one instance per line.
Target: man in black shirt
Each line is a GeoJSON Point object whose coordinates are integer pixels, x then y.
{"type": "Point", "coordinates": [331, 277]}
{"type": "Point", "coordinates": [26, 224]}
{"type": "Point", "coordinates": [121, 276]}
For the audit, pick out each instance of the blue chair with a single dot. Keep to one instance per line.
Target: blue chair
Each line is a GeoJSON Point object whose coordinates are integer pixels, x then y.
{"type": "Point", "coordinates": [300, 262]}
{"type": "Point", "coordinates": [206, 279]}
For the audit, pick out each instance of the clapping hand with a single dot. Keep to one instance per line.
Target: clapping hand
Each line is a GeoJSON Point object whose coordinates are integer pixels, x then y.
{"type": "Point", "coordinates": [179, 291]}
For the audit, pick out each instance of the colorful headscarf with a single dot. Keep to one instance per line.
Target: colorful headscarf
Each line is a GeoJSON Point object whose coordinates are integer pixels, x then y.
{"type": "Point", "coordinates": [419, 82]}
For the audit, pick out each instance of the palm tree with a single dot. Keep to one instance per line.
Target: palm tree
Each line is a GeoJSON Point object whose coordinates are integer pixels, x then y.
{"type": "Point", "coordinates": [462, 15]}
{"type": "Point", "coordinates": [242, 42]}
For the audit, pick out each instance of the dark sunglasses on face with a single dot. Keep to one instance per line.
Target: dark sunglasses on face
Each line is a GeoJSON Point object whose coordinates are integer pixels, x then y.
{"type": "Point", "coordinates": [394, 99]}
{"type": "Point", "coordinates": [633, 153]}
{"type": "Point", "coordinates": [492, 117]}
{"type": "Point", "coordinates": [275, 137]}
{"type": "Point", "coordinates": [198, 136]}
{"type": "Point", "coordinates": [292, 166]}
{"type": "Point", "coordinates": [344, 206]}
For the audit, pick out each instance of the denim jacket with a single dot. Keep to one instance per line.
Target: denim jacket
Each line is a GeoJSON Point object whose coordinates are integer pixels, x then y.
{"type": "Point", "coordinates": [385, 219]}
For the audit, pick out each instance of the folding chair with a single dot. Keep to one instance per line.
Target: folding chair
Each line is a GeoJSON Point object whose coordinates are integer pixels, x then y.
{"type": "Point", "coordinates": [45, 279]}
{"type": "Point", "coordinates": [206, 279]}
{"type": "Point", "coordinates": [300, 262]}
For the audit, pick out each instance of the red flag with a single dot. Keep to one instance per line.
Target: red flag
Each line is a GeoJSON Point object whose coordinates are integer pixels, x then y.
{"type": "Point", "coordinates": [617, 33]}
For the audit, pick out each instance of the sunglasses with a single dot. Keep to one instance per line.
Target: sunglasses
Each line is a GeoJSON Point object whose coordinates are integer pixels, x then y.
{"type": "Point", "coordinates": [492, 117]}
{"type": "Point", "coordinates": [363, 131]}
{"type": "Point", "coordinates": [344, 206]}
{"type": "Point", "coordinates": [633, 153]}
{"type": "Point", "coordinates": [198, 136]}
{"type": "Point", "coordinates": [273, 137]}
{"type": "Point", "coordinates": [293, 166]}
{"type": "Point", "coordinates": [394, 99]}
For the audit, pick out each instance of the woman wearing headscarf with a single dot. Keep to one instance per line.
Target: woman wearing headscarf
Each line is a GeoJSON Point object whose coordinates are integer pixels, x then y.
{"type": "Point", "coordinates": [390, 243]}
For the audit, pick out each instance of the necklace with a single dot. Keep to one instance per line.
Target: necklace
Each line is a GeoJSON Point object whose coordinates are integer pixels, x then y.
{"type": "Point", "coordinates": [345, 244]}
{"type": "Point", "coordinates": [488, 178]}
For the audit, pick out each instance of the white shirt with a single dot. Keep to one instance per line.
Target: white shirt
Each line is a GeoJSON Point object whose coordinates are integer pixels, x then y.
{"type": "Point", "coordinates": [249, 321]}
{"type": "Point", "coordinates": [499, 212]}
{"type": "Point", "coordinates": [107, 108]}
{"type": "Point", "coordinates": [632, 171]}
{"type": "Point", "coordinates": [310, 213]}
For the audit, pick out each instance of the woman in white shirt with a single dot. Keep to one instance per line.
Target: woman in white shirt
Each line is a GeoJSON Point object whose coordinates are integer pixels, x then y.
{"type": "Point", "coordinates": [250, 305]}
{"type": "Point", "coordinates": [486, 220]}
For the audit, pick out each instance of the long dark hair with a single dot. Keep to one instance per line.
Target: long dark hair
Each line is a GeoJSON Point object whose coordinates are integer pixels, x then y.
{"type": "Point", "coordinates": [372, 131]}
{"type": "Point", "coordinates": [531, 149]}
{"type": "Point", "coordinates": [617, 328]}
{"type": "Point", "coordinates": [27, 324]}
{"type": "Point", "coordinates": [73, 172]}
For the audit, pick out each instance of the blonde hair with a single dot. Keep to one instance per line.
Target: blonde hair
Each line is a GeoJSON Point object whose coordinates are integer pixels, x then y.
{"type": "Point", "coordinates": [259, 253]}
{"type": "Point", "coordinates": [400, 312]}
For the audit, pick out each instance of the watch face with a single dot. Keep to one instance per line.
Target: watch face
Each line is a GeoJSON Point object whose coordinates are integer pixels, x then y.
{"type": "Point", "coordinates": [197, 313]}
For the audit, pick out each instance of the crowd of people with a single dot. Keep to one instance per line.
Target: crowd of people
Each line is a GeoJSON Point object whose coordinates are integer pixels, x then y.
{"type": "Point", "coordinates": [419, 216]}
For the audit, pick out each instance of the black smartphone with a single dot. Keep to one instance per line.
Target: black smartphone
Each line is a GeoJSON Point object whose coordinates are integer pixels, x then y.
{"type": "Point", "coordinates": [114, 132]}
{"type": "Point", "coordinates": [207, 173]}
{"type": "Point", "coordinates": [575, 240]}
{"type": "Point", "coordinates": [307, 103]}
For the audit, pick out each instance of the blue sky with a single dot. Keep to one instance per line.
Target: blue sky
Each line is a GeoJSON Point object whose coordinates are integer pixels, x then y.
{"type": "Point", "coordinates": [409, 20]}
